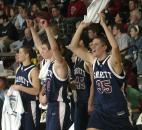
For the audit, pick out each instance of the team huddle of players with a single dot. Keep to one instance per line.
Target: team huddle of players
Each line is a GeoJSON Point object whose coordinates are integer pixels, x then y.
{"type": "Point", "coordinates": [99, 81]}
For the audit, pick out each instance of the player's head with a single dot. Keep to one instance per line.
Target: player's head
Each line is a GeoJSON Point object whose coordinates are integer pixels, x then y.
{"type": "Point", "coordinates": [46, 52]}
{"type": "Point", "coordinates": [100, 46]}
{"type": "Point", "coordinates": [26, 53]}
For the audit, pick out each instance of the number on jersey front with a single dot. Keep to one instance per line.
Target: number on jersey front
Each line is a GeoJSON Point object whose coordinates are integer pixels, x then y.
{"type": "Point", "coordinates": [104, 86]}
{"type": "Point", "coordinates": [80, 82]}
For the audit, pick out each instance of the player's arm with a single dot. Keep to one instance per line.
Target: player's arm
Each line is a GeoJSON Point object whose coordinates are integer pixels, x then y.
{"type": "Point", "coordinates": [115, 59]}
{"type": "Point", "coordinates": [34, 90]}
{"type": "Point", "coordinates": [60, 66]}
{"type": "Point", "coordinates": [78, 50]}
{"type": "Point", "coordinates": [89, 69]}
{"type": "Point", "coordinates": [36, 38]}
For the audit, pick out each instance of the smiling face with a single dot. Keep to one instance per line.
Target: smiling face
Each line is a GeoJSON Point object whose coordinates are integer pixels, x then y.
{"type": "Point", "coordinates": [98, 48]}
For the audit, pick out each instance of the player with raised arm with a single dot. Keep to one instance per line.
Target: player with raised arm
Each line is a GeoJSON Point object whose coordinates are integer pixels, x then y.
{"type": "Point", "coordinates": [110, 106]}
{"type": "Point", "coordinates": [58, 114]}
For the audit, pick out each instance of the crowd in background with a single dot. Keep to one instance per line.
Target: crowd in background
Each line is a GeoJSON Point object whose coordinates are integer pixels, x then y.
{"type": "Point", "coordinates": [123, 17]}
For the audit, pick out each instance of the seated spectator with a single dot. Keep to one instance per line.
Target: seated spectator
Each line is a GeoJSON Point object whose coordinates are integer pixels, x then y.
{"type": "Point", "coordinates": [26, 41]}
{"type": "Point", "coordinates": [13, 14]}
{"type": "Point", "coordinates": [136, 39]}
{"type": "Point", "coordinates": [132, 5]}
{"type": "Point", "coordinates": [20, 22]}
{"type": "Point", "coordinates": [93, 31]}
{"type": "Point", "coordinates": [58, 20]}
{"type": "Point", "coordinates": [120, 18]}
{"type": "Point", "coordinates": [34, 9]}
{"type": "Point", "coordinates": [3, 8]}
{"type": "Point", "coordinates": [8, 33]}
{"type": "Point", "coordinates": [76, 8]}
{"type": "Point", "coordinates": [122, 38]}
{"type": "Point", "coordinates": [135, 18]}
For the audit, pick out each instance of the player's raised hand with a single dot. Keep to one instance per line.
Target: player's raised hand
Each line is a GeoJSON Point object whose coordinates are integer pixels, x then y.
{"type": "Point", "coordinates": [29, 23]}
{"type": "Point", "coordinates": [102, 19]}
{"type": "Point", "coordinates": [84, 24]}
{"type": "Point", "coordinates": [44, 23]}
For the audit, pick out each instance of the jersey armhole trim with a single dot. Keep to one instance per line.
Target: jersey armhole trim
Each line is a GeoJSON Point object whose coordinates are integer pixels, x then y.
{"type": "Point", "coordinates": [94, 62]}
{"type": "Point", "coordinates": [118, 76]}
{"type": "Point", "coordinates": [30, 75]}
{"type": "Point", "coordinates": [54, 72]}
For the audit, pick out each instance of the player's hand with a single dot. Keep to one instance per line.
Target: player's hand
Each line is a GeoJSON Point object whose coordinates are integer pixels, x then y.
{"type": "Point", "coordinates": [44, 23]}
{"type": "Point", "coordinates": [102, 19]}
{"type": "Point", "coordinates": [43, 99]}
{"type": "Point", "coordinates": [16, 87]}
{"type": "Point", "coordinates": [84, 25]}
{"type": "Point", "coordinates": [29, 23]}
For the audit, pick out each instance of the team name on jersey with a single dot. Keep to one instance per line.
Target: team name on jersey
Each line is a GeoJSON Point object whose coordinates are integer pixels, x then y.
{"type": "Point", "coordinates": [23, 80]}
{"type": "Point", "coordinates": [102, 74]}
{"type": "Point", "coordinates": [79, 71]}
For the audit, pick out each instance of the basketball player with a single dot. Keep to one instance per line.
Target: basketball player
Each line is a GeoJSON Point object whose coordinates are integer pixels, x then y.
{"type": "Point", "coordinates": [58, 114]}
{"type": "Point", "coordinates": [27, 83]}
{"type": "Point", "coordinates": [45, 52]}
{"type": "Point", "coordinates": [82, 82]}
{"type": "Point", "coordinates": [110, 109]}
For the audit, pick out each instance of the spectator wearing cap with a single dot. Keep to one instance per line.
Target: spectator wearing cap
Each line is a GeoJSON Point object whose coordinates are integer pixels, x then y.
{"type": "Point", "coordinates": [8, 33]}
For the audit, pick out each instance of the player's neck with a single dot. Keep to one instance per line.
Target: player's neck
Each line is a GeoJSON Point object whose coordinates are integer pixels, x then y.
{"type": "Point", "coordinates": [102, 57]}
{"type": "Point", "coordinates": [26, 63]}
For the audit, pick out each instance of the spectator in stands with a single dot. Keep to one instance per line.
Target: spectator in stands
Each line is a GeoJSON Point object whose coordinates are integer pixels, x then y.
{"type": "Point", "coordinates": [34, 9]}
{"type": "Point", "coordinates": [122, 38]}
{"type": "Point", "coordinates": [3, 8]}
{"type": "Point", "coordinates": [8, 33]}
{"type": "Point", "coordinates": [20, 22]}
{"type": "Point", "coordinates": [58, 20]}
{"type": "Point", "coordinates": [26, 41]}
{"type": "Point", "coordinates": [3, 83]}
{"type": "Point", "coordinates": [113, 7]}
{"type": "Point", "coordinates": [135, 18]}
{"type": "Point", "coordinates": [132, 5]}
{"type": "Point", "coordinates": [136, 39]}
{"type": "Point", "coordinates": [13, 14]}
{"type": "Point", "coordinates": [76, 8]}
{"type": "Point", "coordinates": [120, 18]}
{"type": "Point", "coordinates": [93, 31]}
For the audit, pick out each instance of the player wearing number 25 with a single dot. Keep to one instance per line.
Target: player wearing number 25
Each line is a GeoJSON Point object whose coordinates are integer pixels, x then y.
{"type": "Point", "coordinates": [110, 106]}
